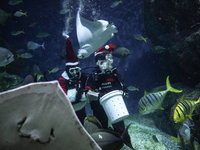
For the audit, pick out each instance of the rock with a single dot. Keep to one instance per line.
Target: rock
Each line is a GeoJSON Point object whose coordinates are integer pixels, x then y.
{"type": "Point", "coordinates": [146, 136]}
{"type": "Point", "coordinates": [175, 25]}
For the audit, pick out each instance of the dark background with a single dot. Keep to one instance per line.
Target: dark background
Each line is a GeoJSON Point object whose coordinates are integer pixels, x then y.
{"type": "Point", "coordinates": [140, 69]}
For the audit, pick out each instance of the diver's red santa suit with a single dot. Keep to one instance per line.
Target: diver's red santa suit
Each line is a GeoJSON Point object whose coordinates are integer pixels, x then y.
{"type": "Point", "coordinates": [73, 81]}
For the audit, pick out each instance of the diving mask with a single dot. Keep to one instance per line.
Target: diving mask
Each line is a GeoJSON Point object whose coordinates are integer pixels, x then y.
{"type": "Point", "coordinates": [74, 73]}
{"type": "Point", "coordinates": [105, 64]}
{"type": "Point", "coordinates": [74, 70]}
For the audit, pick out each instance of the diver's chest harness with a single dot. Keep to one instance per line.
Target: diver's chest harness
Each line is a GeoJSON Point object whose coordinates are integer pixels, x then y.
{"type": "Point", "coordinates": [78, 85]}
{"type": "Point", "coordinates": [106, 82]}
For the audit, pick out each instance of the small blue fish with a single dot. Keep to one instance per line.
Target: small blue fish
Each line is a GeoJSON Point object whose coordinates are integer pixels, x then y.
{"type": "Point", "coordinates": [132, 88]}
{"type": "Point", "coordinates": [33, 24]}
{"type": "Point", "coordinates": [15, 2]}
{"type": "Point", "coordinates": [54, 70]}
{"type": "Point", "coordinates": [20, 51]}
{"type": "Point", "coordinates": [140, 37]}
{"type": "Point", "coordinates": [24, 55]}
{"type": "Point", "coordinates": [32, 45]}
{"type": "Point", "coordinates": [158, 49]}
{"type": "Point", "coordinates": [19, 14]}
{"type": "Point", "coordinates": [64, 11]}
{"type": "Point", "coordinates": [15, 33]}
{"type": "Point", "coordinates": [115, 4]}
{"type": "Point", "coordinates": [42, 34]}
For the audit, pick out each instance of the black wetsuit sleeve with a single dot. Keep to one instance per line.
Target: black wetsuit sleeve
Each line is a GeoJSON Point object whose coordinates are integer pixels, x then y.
{"type": "Point", "coordinates": [90, 83]}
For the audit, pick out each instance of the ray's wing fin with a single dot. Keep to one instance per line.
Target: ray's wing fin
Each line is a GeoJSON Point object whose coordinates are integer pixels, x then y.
{"type": "Point", "coordinates": [40, 116]}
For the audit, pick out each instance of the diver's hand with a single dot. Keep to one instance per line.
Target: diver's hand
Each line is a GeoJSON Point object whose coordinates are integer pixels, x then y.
{"type": "Point", "coordinates": [125, 94]}
{"type": "Point", "coordinates": [92, 96]}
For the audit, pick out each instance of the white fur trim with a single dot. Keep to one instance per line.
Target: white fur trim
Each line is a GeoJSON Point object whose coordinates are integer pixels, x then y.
{"type": "Point", "coordinates": [107, 47]}
{"type": "Point", "coordinates": [71, 63]}
{"type": "Point", "coordinates": [65, 75]}
{"type": "Point", "coordinates": [81, 104]}
{"type": "Point", "coordinates": [95, 54]}
{"type": "Point", "coordinates": [71, 94]}
{"type": "Point", "coordinates": [83, 98]}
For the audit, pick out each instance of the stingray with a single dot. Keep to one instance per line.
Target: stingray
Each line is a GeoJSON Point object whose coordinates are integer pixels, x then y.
{"type": "Point", "coordinates": [40, 116]}
{"type": "Point", "coordinates": [92, 35]}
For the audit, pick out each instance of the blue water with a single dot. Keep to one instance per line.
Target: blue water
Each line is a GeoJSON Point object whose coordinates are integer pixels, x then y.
{"type": "Point", "coordinates": [140, 69]}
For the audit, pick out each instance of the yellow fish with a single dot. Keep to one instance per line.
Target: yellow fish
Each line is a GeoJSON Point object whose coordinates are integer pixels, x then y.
{"type": "Point", "coordinates": [140, 38]}
{"type": "Point", "coordinates": [184, 109]}
{"type": "Point", "coordinates": [177, 140]}
{"type": "Point", "coordinates": [54, 70]}
{"type": "Point", "coordinates": [114, 4]}
{"type": "Point", "coordinates": [152, 101]}
{"type": "Point", "coordinates": [132, 88]}
{"type": "Point", "coordinates": [196, 145]}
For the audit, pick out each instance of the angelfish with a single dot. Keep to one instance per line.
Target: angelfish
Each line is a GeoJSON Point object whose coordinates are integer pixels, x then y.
{"type": "Point", "coordinates": [184, 135]}
{"type": "Point", "coordinates": [152, 101]}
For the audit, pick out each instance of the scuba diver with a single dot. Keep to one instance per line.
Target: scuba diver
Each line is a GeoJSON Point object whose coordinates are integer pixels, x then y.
{"type": "Point", "coordinates": [103, 80]}
{"type": "Point", "coordinates": [73, 82]}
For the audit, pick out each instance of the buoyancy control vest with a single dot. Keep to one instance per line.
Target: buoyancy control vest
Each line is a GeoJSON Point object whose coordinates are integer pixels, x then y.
{"type": "Point", "coordinates": [108, 81]}
{"type": "Point", "coordinates": [79, 85]}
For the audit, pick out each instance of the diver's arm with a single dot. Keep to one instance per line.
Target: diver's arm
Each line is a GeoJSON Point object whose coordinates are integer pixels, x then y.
{"type": "Point", "coordinates": [90, 86]}
{"type": "Point", "coordinates": [92, 96]}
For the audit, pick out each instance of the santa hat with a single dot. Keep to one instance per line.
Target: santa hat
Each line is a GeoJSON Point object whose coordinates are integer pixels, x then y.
{"type": "Point", "coordinates": [71, 59]}
{"type": "Point", "coordinates": [100, 53]}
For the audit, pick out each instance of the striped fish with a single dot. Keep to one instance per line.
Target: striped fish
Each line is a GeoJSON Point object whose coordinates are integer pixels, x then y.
{"type": "Point", "coordinates": [184, 109]}
{"type": "Point", "coordinates": [152, 101]}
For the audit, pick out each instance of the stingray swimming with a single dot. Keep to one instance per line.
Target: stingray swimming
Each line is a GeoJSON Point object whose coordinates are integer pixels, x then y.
{"type": "Point", "coordinates": [92, 35]}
